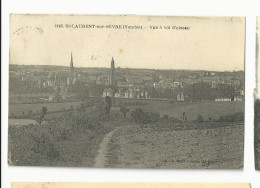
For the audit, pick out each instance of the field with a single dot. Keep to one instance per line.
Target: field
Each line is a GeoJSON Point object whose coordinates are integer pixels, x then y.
{"type": "Point", "coordinates": [23, 109]}
{"type": "Point", "coordinates": [82, 138]}
{"type": "Point", "coordinates": [192, 110]}
{"type": "Point", "coordinates": [156, 147]}
{"type": "Point", "coordinates": [21, 122]}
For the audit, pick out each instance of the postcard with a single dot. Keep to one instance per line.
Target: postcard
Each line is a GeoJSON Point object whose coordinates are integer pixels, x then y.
{"type": "Point", "coordinates": [126, 91]}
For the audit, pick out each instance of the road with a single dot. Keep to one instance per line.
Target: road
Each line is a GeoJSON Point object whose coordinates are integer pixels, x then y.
{"type": "Point", "coordinates": [101, 158]}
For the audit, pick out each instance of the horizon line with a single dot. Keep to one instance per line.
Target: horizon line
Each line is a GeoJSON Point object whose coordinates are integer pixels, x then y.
{"type": "Point", "coordinates": [134, 68]}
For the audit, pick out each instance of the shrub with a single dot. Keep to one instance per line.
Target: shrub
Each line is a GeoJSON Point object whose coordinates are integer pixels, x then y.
{"type": "Point", "coordinates": [33, 145]}
{"type": "Point", "coordinates": [165, 117]}
{"type": "Point", "coordinates": [141, 117]}
{"type": "Point", "coordinates": [124, 110]}
{"type": "Point", "coordinates": [238, 117]}
{"type": "Point", "coordinates": [200, 118]}
{"type": "Point", "coordinates": [152, 116]}
{"type": "Point", "coordinates": [138, 115]}
{"type": "Point", "coordinates": [64, 140]}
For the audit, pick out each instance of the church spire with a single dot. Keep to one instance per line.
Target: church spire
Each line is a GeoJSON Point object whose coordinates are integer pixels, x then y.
{"type": "Point", "coordinates": [112, 63]}
{"type": "Point", "coordinates": [112, 73]}
{"type": "Point", "coordinates": [71, 60]}
{"type": "Point", "coordinates": [71, 73]}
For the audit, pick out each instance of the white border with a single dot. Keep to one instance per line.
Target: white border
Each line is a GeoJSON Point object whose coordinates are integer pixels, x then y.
{"type": "Point", "coordinates": [248, 8]}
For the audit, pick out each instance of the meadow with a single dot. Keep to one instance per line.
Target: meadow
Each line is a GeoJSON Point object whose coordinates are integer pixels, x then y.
{"type": "Point", "coordinates": [192, 109]}
{"type": "Point", "coordinates": [19, 110]}
{"type": "Point", "coordinates": [73, 139]}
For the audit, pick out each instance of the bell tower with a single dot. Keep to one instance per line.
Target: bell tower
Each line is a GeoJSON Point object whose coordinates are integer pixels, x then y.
{"type": "Point", "coordinates": [71, 73]}
{"type": "Point", "coordinates": [112, 73]}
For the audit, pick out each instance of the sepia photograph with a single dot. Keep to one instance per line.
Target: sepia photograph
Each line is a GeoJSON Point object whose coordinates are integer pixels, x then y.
{"type": "Point", "coordinates": [127, 91]}
{"type": "Point", "coordinates": [124, 185]}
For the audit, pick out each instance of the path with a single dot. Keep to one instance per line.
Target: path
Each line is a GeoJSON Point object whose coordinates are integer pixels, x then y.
{"type": "Point", "coordinates": [101, 158]}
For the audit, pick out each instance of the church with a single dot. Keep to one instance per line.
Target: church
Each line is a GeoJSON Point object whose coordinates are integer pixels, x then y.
{"type": "Point", "coordinates": [112, 81]}
{"type": "Point", "coordinates": [62, 78]}
{"type": "Point", "coordinates": [61, 82]}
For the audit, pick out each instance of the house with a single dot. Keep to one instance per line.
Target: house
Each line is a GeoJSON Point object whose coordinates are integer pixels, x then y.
{"type": "Point", "coordinates": [214, 85]}
{"type": "Point", "coordinates": [238, 98]}
{"type": "Point", "coordinates": [103, 80]}
{"type": "Point", "coordinates": [108, 92]}
{"type": "Point", "coordinates": [134, 80]}
{"type": "Point", "coordinates": [222, 99]}
{"type": "Point", "coordinates": [176, 84]}
{"type": "Point", "coordinates": [180, 97]}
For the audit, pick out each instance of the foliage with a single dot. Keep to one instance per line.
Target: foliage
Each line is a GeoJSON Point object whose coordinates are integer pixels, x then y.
{"type": "Point", "coordinates": [141, 117]}
{"type": "Point", "coordinates": [132, 103]}
{"type": "Point", "coordinates": [165, 117]}
{"type": "Point", "coordinates": [238, 117]}
{"type": "Point", "coordinates": [71, 140]}
{"type": "Point", "coordinates": [81, 91]}
{"type": "Point", "coordinates": [42, 115]}
{"type": "Point", "coordinates": [108, 105]}
{"type": "Point", "coordinates": [200, 118]}
{"type": "Point", "coordinates": [32, 145]}
{"type": "Point", "coordinates": [124, 110]}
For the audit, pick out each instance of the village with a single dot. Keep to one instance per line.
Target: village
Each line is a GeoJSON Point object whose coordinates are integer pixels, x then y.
{"type": "Point", "coordinates": [39, 84]}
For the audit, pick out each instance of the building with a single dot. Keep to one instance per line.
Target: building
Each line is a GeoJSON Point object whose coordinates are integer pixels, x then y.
{"type": "Point", "coordinates": [242, 93]}
{"type": "Point", "coordinates": [103, 80]}
{"type": "Point", "coordinates": [222, 99]}
{"type": "Point", "coordinates": [120, 94]}
{"type": "Point", "coordinates": [134, 80]}
{"type": "Point", "coordinates": [136, 93]}
{"type": "Point", "coordinates": [214, 85]}
{"type": "Point", "coordinates": [108, 92]}
{"type": "Point", "coordinates": [238, 98]}
{"type": "Point", "coordinates": [236, 84]}
{"type": "Point", "coordinates": [180, 97]}
{"type": "Point", "coordinates": [176, 84]}
{"type": "Point", "coordinates": [112, 79]}
{"type": "Point", "coordinates": [62, 78]}
{"type": "Point", "coordinates": [71, 72]}
{"type": "Point", "coordinates": [57, 78]}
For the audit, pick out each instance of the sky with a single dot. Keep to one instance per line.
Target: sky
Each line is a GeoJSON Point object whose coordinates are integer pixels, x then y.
{"type": "Point", "coordinates": [207, 43]}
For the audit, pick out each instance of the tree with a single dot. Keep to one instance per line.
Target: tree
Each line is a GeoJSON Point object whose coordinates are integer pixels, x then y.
{"type": "Point", "coordinates": [108, 106]}
{"type": "Point", "coordinates": [124, 110]}
{"type": "Point", "coordinates": [183, 116]}
{"type": "Point", "coordinates": [138, 116]}
{"type": "Point", "coordinates": [200, 118]}
{"type": "Point", "coordinates": [43, 113]}
{"type": "Point", "coordinates": [141, 117]}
